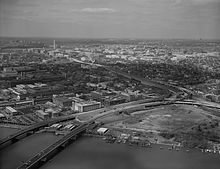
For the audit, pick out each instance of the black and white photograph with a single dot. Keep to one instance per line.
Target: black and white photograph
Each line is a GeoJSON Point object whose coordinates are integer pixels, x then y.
{"type": "Point", "coordinates": [109, 84]}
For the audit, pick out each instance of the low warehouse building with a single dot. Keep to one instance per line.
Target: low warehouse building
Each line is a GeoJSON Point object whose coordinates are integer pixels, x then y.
{"type": "Point", "coordinates": [102, 130]}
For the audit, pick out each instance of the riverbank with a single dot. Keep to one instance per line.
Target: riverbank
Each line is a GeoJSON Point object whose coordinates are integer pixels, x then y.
{"type": "Point", "coordinates": [95, 153]}
{"type": "Point", "coordinates": [148, 144]}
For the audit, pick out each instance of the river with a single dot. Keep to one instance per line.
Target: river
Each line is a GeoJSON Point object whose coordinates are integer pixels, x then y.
{"type": "Point", "coordinates": [4, 132]}
{"type": "Point", "coordinates": [93, 153]}
{"type": "Point", "coordinates": [12, 156]}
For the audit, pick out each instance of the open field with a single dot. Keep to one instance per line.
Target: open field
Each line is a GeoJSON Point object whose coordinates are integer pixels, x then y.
{"type": "Point", "coordinates": [173, 122]}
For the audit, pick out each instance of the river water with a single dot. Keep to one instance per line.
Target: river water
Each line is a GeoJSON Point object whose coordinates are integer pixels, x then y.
{"type": "Point", "coordinates": [12, 156]}
{"type": "Point", "coordinates": [93, 153]}
{"type": "Point", "coordinates": [4, 132]}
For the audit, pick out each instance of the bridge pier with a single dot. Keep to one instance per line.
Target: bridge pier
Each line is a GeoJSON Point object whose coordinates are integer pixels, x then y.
{"type": "Point", "coordinates": [74, 138]}
{"type": "Point", "coordinates": [44, 159]}
{"type": "Point", "coordinates": [30, 133]}
{"type": "Point", "coordinates": [62, 146]}
{"type": "Point", "coordinates": [14, 140]}
{"type": "Point", "coordinates": [55, 148]}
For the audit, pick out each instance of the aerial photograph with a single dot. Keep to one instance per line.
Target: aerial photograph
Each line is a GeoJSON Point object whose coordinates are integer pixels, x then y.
{"type": "Point", "coordinates": [109, 84]}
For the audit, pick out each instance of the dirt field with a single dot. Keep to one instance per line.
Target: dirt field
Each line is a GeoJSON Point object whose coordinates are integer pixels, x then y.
{"type": "Point", "coordinates": [179, 120]}
{"type": "Point", "coordinates": [170, 118]}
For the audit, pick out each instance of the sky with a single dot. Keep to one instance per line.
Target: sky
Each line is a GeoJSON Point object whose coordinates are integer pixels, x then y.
{"type": "Point", "coordinates": [186, 19]}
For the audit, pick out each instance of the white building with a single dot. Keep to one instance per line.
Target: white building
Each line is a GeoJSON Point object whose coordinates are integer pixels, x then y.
{"type": "Point", "coordinates": [85, 106]}
{"type": "Point", "coordinates": [102, 130]}
{"type": "Point", "coordinates": [11, 111]}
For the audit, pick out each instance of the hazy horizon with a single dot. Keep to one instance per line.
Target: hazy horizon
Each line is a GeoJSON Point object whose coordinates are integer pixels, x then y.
{"type": "Point", "coordinates": [110, 19]}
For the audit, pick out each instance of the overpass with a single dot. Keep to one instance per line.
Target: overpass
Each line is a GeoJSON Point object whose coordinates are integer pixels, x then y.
{"type": "Point", "coordinates": [30, 130]}
{"type": "Point", "coordinates": [198, 103]}
{"type": "Point", "coordinates": [52, 150]}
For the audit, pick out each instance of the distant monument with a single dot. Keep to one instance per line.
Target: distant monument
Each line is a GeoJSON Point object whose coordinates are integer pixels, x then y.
{"type": "Point", "coordinates": [54, 44]}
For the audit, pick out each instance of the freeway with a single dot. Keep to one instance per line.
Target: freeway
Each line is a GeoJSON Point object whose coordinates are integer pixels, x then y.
{"type": "Point", "coordinates": [44, 154]}
{"type": "Point", "coordinates": [199, 103]}
{"type": "Point", "coordinates": [35, 161]}
{"type": "Point", "coordinates": [173, 89]}
{"type": "Point", "coordinates": [50, 122]}
{"type": "Point", "coordinates": [34, 127]}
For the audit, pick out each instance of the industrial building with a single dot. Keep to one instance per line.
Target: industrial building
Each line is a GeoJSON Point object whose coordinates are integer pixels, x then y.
{"type": "Point", "coordinates": [2, 116]}
{"type": "Point", "coordinates": [102, 130]}
{"type": "Point", "coordinates": [11, 111]}
{"type": "Point", "coordinates": [84, 106]}
{"type": "Point", "coordinates": [113, 100]}
{"type": "Point", "coordinates": [100, 95]}
{"type": "Point", "coordinates": [109, 98]}
{"type": "Point", "coordinates": [62, 101]}
{"type": "Point", "coordinates": [52, 113]}
{"type": "Point", "coordinates": [42, 114]}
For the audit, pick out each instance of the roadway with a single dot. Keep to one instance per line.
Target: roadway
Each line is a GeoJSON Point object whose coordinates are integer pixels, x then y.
{"type": "Point", "coordinates": [37, 159]}
{"type": "Point", "coordinates": [199, 103]}
{"type": "Point", "coordinates": [105, 112]}
{"type": "Point", "coordinates": [44, 154]}
{"type": "Point", "coordinates": [159, 101]}
{"type": "Point", "coordinates": [34, 127]}
{"type": "Point", "coordinates": [162, 85]}
{"type": "Point", "coordinates": [61, 119]}
{"type": "Point", "coordinates": [48, 152]}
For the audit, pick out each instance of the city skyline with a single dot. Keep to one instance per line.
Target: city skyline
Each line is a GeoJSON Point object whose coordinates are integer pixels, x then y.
{"type": "Point", "coordinates": [184, 19]}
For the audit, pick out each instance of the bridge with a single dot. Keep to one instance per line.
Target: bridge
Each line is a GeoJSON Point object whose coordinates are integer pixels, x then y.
{"type": "Point", "coordinates": [52, 150]}
{"type": "Point", "coordinates": [32, 129]}
{"type": "Point", "coordinates": [35, 127]}
{"type": "Point", "coordinates": [49, 152]}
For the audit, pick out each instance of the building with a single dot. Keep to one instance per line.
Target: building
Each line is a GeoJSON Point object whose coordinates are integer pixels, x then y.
{"type": "Point", "coordinates": [113, 100]}
{"type": "Point", "coordinates": [9, 72]}
{"type": "Point", "coordinates": [102, 130]}
{"type": "Point", "coordinates": [132, 96]}
{"type": "Point", "coordinates": [109, 98]}
{"type": "Point", "coordinates": [62, 101]}
{"type": "Point", "coordinates": [2, 116]}
{"type": "Point", "coordinates": [84, 106]}
{"type": "Point", "coordinates": [100, 95]}
{"type": "Point", "coordinates": [11, 111]}
{"type": "Point", "coordinates": [52, 113]}
{"type": "Point", "coordinates": [42, 114]}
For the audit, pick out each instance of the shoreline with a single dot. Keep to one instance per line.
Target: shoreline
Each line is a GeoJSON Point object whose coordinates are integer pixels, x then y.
{"type": "Point", "coordinates": [162, 146]}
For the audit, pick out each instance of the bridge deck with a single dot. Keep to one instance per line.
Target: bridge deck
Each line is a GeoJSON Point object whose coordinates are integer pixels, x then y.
{"type": "Point", "coordinates": [44, 153]}
{"type": "Point", "coordinates": [34, 127]}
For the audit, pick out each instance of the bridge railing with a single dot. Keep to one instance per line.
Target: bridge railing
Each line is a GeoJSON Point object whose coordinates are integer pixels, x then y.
{"type": "Point", "coordinates": [49, 149]}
